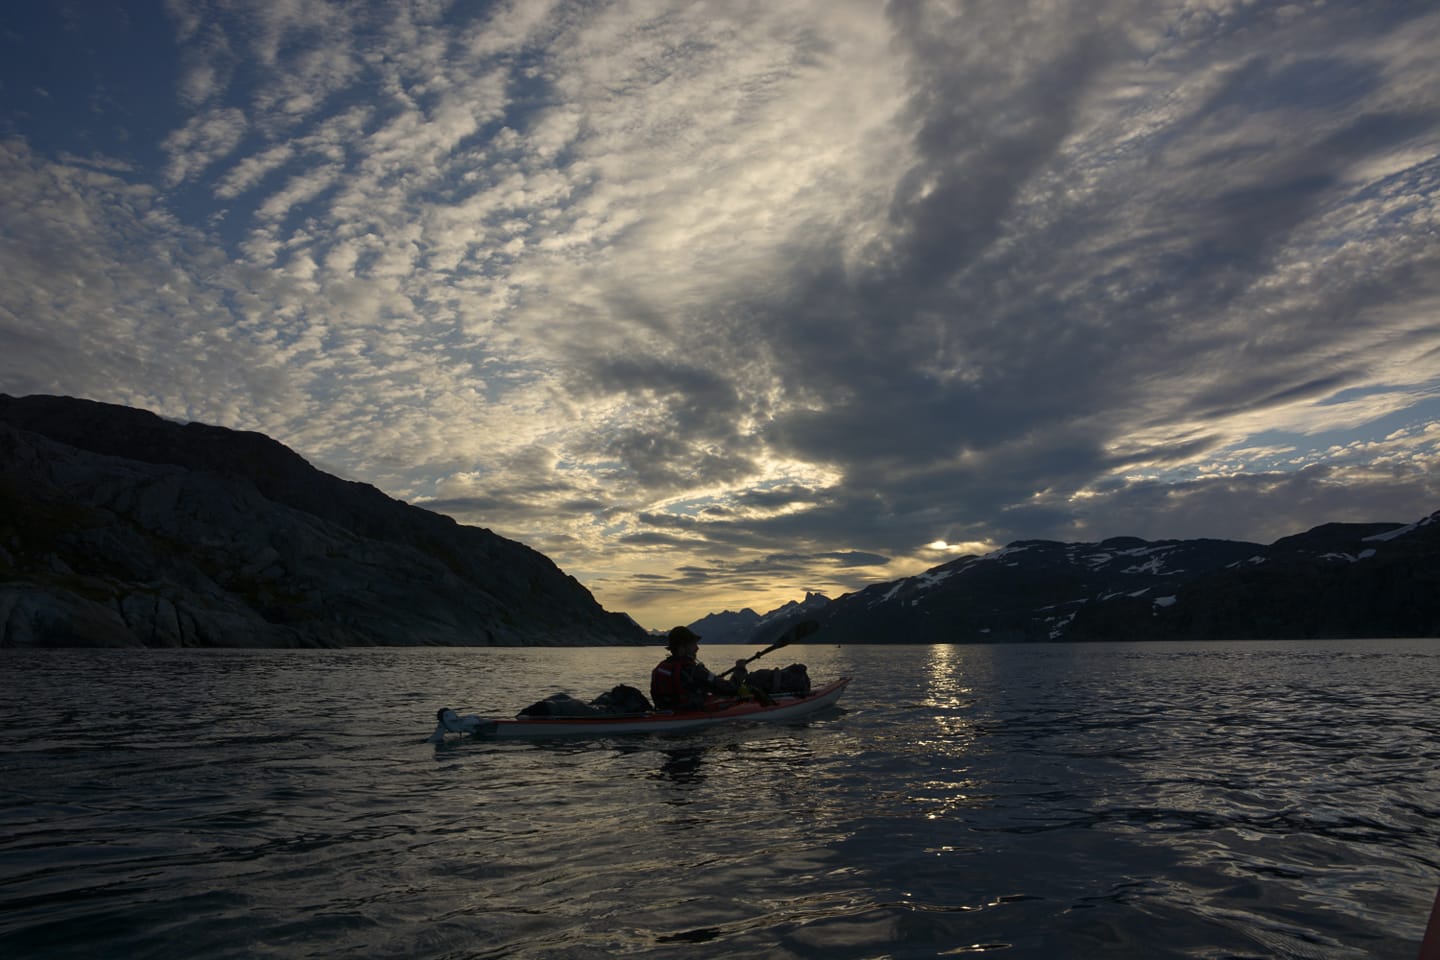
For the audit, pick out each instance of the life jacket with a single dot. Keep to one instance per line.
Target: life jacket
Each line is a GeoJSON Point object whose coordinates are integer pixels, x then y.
{"type": "Point", "coordinates": [667, 684]}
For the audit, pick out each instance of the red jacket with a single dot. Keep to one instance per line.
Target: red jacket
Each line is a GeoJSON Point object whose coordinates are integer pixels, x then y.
{"type": "Point", "coordinates": [680, 683]}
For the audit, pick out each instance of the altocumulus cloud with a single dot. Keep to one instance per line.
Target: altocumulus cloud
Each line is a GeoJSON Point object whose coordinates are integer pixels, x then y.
{"type": "Point", "coordinates": [716, 303]}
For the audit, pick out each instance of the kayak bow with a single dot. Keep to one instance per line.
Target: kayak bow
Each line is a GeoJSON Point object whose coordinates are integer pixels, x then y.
{"type": "Point", "coordinates": [785, 706]}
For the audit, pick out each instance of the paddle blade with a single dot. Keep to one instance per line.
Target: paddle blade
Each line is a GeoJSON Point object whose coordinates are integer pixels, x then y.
{"type": "Point", "coordinates": [805, 627]}
{"type": "Point", "coordinates": [802, 629]}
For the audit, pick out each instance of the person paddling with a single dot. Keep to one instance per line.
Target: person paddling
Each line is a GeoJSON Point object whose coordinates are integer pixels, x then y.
{"type": "Point", "coordinates": [681, 681]}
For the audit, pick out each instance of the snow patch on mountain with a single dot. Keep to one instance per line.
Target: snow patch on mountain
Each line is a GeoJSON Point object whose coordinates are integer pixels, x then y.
{"type": "Point", "coordinates": [932, 578]}
{"type": "Point", "coordinates": [1398, 531]}
{"type": "Point", "coordinates": [1350, 557]}
{"type": "Point", "coordinates": [1155, 565]}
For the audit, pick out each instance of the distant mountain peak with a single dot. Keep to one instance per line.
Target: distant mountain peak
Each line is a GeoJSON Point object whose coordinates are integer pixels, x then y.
{"type": "Point", "coordinates": [1336, 580]}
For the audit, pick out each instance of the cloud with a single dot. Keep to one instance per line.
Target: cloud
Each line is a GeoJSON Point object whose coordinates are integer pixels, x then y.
{"type": "Point", "coordinates": [203, 141]}
{"type": "Point", "coordinates": [854, 558]}
{"type": "Point", "coordinates": [719, 303]}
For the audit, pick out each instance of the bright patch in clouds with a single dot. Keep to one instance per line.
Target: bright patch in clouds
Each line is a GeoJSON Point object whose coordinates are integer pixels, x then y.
{"type": "Point", "coordinates": [719, 303]}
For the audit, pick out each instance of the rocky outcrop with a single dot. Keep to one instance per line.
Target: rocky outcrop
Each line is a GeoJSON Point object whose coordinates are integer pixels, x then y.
{"type": "Point", "coordinates": [119, 528]}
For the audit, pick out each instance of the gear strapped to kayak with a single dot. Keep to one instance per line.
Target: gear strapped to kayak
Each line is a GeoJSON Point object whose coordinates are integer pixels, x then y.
{"type": "Point", "coordinates": [782, 707]}
{"type": "Point", "coordinates": [618, 701]}
{"type": "Point", "coordinates": [687, 697]}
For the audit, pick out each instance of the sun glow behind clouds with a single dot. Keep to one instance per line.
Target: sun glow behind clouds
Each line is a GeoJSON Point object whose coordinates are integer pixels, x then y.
{"type": "Point", "coordinates": [977, 547]}
{"type": "Point", "coordinates": [716, 304]}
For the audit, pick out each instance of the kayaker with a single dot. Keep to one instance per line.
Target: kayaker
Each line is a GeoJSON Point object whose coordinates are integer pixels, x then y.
{"type": "Point", "coordinates": [681, 682]}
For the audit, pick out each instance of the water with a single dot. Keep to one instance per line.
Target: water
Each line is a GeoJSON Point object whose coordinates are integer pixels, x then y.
{"type": "Point", "coordinates": [1149, 800]}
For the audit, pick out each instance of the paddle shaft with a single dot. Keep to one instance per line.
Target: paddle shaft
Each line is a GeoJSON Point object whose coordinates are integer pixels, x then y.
{"type": "Point", "coordinates": [801, 629]}
{"type": "Point", "coordinates": [774, 646]}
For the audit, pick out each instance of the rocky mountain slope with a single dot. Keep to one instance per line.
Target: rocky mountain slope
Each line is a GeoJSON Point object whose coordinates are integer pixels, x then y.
{"type": "Point", "coordinates": [119, 528]}
{"type": "Point", "coordinates": [1337, 580]}
{"type": "Point", "coordinates": [747, 626]}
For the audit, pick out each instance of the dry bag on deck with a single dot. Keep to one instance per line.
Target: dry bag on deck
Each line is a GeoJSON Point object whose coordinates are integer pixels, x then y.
{"type": "Point", "coordinates": [623, 699]}
{"type": "Point", "coordinates": [618, 701]}
{"type": "Point", "coordinates": [559, 705]}
{"type": "Point", "coordinates": [792, 679]}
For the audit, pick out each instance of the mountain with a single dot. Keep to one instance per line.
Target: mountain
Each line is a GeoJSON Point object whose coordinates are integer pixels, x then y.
{"type": "Point", "coordinates": [1337, 580]}
{"type": "Point", "coordinates": [727, 627]}
{"type": "Point", "coordinates": [747, 626]}
{"type": "Point", "coordinates": [120, 528]}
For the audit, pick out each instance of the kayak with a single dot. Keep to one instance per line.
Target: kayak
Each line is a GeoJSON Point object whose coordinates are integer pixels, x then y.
{"type": "Point", "coordinates": [785, 706]}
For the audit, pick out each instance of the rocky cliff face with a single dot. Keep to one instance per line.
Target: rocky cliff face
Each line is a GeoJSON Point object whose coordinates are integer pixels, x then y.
{"type": "Point", "coordinates": [119, 528]}
{"type": "Point", "coordinates": [1337, 580]}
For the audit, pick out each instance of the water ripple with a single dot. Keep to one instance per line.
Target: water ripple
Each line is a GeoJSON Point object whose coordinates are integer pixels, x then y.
{"type": "Point", "coordinates": [1164, 800]}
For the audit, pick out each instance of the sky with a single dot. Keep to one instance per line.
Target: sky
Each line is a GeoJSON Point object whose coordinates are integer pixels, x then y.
{"type": "Point", "coordinates": [719, 303]}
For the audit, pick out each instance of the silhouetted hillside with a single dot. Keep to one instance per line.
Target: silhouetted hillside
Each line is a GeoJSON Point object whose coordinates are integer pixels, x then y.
{"type": "Point", "coordinates": [119, 528]}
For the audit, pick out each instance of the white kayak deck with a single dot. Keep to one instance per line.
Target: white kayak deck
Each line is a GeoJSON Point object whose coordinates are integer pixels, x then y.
{"type": "Point", "coordinates": [785, 707]}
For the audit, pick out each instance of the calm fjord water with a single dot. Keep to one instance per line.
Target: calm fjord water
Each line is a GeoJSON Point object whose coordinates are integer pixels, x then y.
{"type": "Point", "coordinates": [1147, 800]}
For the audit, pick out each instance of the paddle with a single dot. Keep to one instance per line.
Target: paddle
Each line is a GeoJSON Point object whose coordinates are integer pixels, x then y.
{"type": "Point", "coordinates": [802, 629]}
